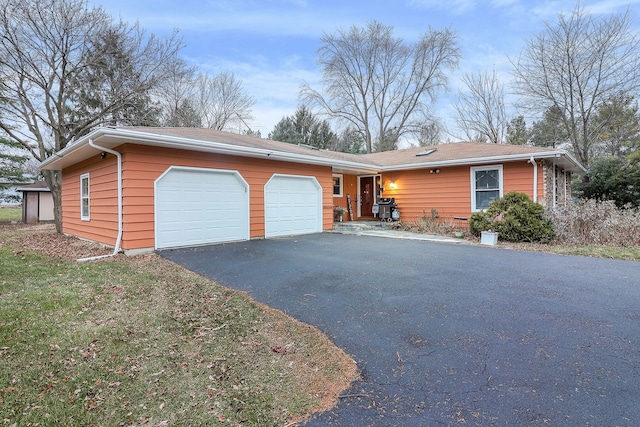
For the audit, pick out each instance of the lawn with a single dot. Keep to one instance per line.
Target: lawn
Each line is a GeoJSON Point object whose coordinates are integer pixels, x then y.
{"type": "Point", "coordinates": [610, 252]}
{"type": "Point", "coordinates": [141, 341]}
{"type": "Point", "coordinates": [8, 214]}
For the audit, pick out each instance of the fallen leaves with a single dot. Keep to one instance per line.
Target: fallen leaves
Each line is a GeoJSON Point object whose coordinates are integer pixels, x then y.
{"type": "Point", "coordinates": [283, 350]}
{"type": "Point", "coordinates": [148, 343]}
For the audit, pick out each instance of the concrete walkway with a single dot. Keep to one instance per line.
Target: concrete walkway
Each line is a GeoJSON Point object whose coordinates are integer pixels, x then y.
{"type": "Point", "coordinates": [383, 229]}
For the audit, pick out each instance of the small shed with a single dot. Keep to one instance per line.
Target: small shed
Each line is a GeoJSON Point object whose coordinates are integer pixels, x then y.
{"type": "Point", "coordinates": [37, 203]}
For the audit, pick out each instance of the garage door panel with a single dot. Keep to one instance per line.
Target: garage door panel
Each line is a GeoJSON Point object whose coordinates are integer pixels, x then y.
{"type": "Point", "coordinates": [200, 206]}
{"type": "Point", "coordinates": [293, 205]}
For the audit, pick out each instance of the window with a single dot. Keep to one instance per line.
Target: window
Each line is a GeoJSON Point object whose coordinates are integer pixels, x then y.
{"type": "Point", "coordinates": [486, 185]}
{"type": "Point", "coordinates": [84, 197]}
{"type": "Point", "coordinates": [337, 185]}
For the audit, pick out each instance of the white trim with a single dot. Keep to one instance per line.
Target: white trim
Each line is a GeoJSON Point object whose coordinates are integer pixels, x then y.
{"type": "Point", "coordinates": [121, 136]}
{"type": "Point", "coordinates": [116, 137]}
{"type": "Point", "coordinates": [341, 176]}
{"type": "Point", "coordinates": [473, 171]}
{"type": "Point", "coordinates": [488, 159]}
{"type": "Point", "coordinates": [84, 217]}
{"type": "Point", "coordinates": [196, 169]}
{"type": "Point", "coordinates": [374, 190]}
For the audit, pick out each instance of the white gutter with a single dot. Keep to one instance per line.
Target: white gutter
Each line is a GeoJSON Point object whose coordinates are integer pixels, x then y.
{"type": "Point", "coordinates": [116, 249]}
{"type": "Point", "coordinates": [365, 166]}
{"type": "Point", "coordinates": [535, 178]}
{"type": "Point", "coordinates": [209, 147]}
{"type": "Point", "coordinates": [483, 160]}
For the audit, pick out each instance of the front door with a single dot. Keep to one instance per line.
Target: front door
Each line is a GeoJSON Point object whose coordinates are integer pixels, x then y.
{"type": "Point", "coordinates": [367, 198]}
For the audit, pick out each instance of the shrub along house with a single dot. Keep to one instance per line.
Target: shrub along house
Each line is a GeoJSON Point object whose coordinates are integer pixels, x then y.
{"type": "Point", "coordinates": [143, 188]}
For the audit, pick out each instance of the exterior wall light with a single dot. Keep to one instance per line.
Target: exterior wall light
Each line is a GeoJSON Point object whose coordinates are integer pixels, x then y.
{"type": "Point", "coordinates": [392, 185]}
{"type": "Point", "coordinates": [434, 171]}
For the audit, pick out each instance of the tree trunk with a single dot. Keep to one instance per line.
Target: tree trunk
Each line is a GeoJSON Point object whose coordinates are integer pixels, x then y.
{"type": "Point", "coordinates": [54, 181]}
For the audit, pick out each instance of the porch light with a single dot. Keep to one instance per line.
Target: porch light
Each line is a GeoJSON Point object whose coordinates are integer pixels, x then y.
{"type": "Point", "coordinates": [392, 185]}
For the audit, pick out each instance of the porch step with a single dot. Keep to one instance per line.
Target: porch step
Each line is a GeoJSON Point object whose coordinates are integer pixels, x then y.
{"type": "Point", "coordinates": [358, 226]}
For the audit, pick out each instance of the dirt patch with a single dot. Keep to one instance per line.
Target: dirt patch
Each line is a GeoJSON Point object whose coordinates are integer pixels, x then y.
{"type": "Point", "coordinates": [43, 239]}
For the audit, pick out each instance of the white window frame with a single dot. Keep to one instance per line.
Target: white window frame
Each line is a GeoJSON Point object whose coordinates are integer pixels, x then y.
{"type": "Point", "coordinates": [473, 183]}
{"type": "Point", "coordinates": [341, 177]}
{"type": "Point", "coordinates": [85, 216]}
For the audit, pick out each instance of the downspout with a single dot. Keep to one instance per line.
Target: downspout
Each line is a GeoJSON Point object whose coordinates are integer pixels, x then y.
{"type": "Point", "coordinates": [116, 249]}
{"type": "Point", "coordinates": [535, 178]}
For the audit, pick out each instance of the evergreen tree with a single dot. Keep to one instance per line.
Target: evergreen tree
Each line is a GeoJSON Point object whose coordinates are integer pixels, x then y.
{"type": "Point", "coordinates": [517, 133]}
{"type": "Point", "coordinates": [12, 167]}
{"type": "Point", "coordinates": [304, 128]}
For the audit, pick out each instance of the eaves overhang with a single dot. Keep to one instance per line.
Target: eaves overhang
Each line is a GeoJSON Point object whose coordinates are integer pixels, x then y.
{"type": "Point", "coordinates": [561, 157]}
{"type": "Point", "coordinates": [112, 137]}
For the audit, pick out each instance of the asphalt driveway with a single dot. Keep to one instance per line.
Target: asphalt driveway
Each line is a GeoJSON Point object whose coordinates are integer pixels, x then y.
{"type": "Point", "coordinates": [453, 334]}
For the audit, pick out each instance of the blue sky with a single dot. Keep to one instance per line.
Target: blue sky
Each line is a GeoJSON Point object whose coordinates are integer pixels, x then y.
{"type": "Point", "coordinates": [271, 44]}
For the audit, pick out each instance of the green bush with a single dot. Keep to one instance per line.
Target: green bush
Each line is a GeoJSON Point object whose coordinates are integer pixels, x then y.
{"type": "Point", "coordinates": [612, 178]}
{"type": "Point", "coordinates": [516, 218]}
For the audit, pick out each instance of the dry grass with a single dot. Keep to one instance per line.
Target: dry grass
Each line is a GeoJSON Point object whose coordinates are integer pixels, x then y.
{"type": "Point", "coordinates": [599, 232]}
{"type": "Point", "coordinates": [598, 223]}
{"type": "Point", "coordinates": [141, 341]}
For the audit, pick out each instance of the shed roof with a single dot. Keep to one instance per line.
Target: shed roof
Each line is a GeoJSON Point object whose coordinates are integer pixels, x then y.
{"type": "Point", "coordinates": [36, 186]}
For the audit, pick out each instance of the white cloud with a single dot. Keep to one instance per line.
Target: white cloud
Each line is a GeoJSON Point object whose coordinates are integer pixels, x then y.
{"type": "Point", "coordinates": [275, 87]}
{"type": "Point", "coordinates": [611, 6]}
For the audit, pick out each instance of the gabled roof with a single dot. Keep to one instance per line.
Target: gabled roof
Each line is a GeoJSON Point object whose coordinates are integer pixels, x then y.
{"type": "Point", "coordinates": [466, 153]}
{"type": "Point", "coordinates": [212, 141]}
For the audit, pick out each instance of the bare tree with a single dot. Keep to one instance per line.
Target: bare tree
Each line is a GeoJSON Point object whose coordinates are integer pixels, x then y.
{"type": "Point", "coordinates": [481, 110]}
{"type": "Point", "coordinates": [222, 101]}
{"type": "Point", "coordinates": [176, 95]}
{"type": "Point", "coordinates": [576, 65]}
{"type": "Point", "coordinates": [378, 83]}
{"type": "Point", "coordinates": [431, 132]}
{"type": "Point", "coordinates": [66, 68]}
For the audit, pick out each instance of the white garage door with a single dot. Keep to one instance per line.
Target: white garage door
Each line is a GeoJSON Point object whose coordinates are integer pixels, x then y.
{"type": "Point", "coordinates": [292, 205]}
{"type": "Point", "coordinates": [200, 206]}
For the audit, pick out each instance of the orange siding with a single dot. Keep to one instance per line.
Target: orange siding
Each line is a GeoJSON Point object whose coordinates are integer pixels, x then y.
{"type": "Point", "coordinates": [103, 199]}
{"type": "Point", "coordinates": [142, 165]}
{"type": "Point", "coordinates": [349, 187]}
{"type": "Point", "coordinates": [449, 192]}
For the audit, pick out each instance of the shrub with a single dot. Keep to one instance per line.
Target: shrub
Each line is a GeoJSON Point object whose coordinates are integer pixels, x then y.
{"type": "Point", "coordinates": [516, 218]}
{"type": "Point", "coordinates": [594, 222]}
{"type": "Point", "coordinates": [430, 223]}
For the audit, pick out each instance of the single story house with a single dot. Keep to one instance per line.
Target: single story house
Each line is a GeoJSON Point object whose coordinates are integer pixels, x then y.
{"type": "Point", "coordinates": [140, 188]}
{"type": "Point", "coordinates": [37, 202]}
